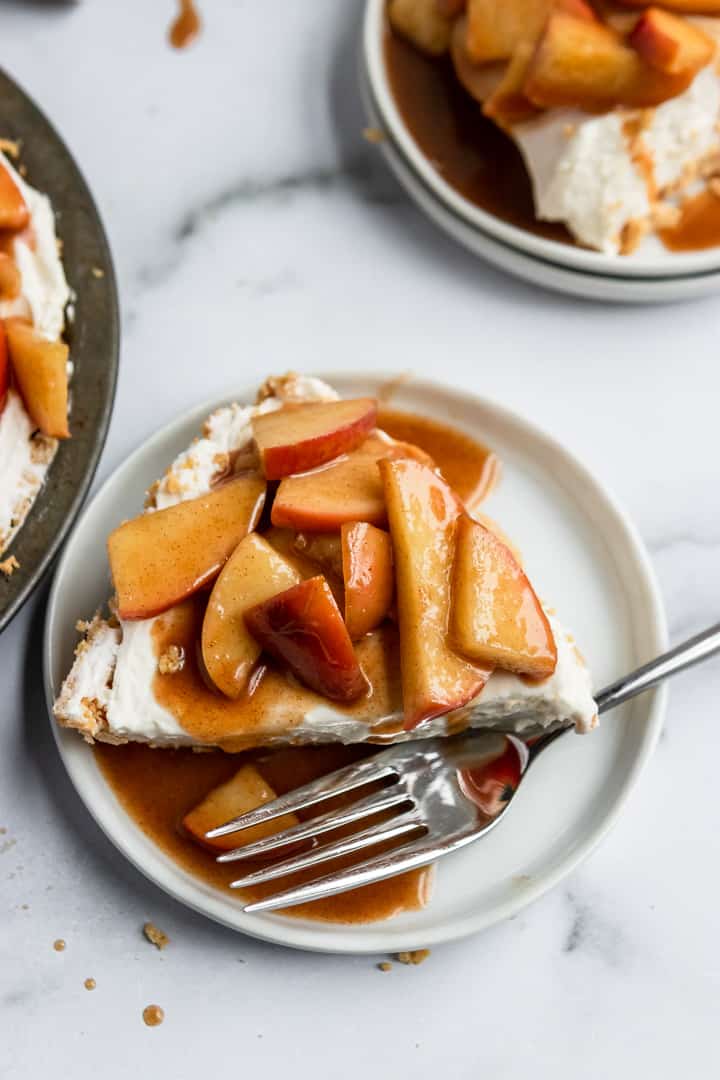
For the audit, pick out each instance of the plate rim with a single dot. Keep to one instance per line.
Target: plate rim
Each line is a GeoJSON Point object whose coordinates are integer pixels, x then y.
{"type": "Point", "coordinates": [667, 266]}
{"type": "Point", "coordinates": [361, 939]}
{"type": "Point", "coordinates": [112, 351]}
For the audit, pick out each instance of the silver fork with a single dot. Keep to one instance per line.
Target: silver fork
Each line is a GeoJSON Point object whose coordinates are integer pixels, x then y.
{"type": "Point", "coordinates": [446, 792]}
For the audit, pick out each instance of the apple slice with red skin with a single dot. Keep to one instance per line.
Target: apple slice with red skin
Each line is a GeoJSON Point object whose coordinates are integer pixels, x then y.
{"type": "Point", "coordinates": [349, 490]}
{"type": "Point", "coordinates": [4, 367]}
{"type": "Point", "coordinates": [40, 369]}
{"type": "Point", "coordinates": [495, 618]}
{"type": "Point", "coordinates": [670, 43]}
{"type": "Point", "coordinates": [14, 214]}
{"type": "Point", "coordinates": [304, 628]}
{"type": "Point", "coordinates": [423, 512]}
{"type": "Point", "coordinates": [161, 557]}
{"type": "Point", "coordinates": [244, 791]}
{"type": "Point", "coordinates": [254, 572]}
{"type": "Point", "coordinates": [297, 438]}
{"type": "Point", "coordinates": [368, 575]}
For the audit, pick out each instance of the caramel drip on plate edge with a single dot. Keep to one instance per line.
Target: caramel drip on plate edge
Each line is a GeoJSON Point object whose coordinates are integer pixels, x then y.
{"type": "Point", "coordinates": [157, 788]}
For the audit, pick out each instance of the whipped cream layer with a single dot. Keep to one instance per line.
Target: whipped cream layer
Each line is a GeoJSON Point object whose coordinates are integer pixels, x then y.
{"type": "Point", "coordinates": [108, 694]}
{"type": "Point", "coordinates": [25, 455]}
{"type": "Point", "coordinates": [592, 174]}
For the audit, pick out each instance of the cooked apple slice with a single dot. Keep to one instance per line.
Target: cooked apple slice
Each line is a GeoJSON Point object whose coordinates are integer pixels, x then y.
{"type": "Point", "coordinates": [669, 43]}
{"type": "Point", "coordinates": [480, 80]}
{"type": "Point", "coordinates": [423, 22]}
{"type": "Point", "coordinates": [587, 65]}
{"type": "Point", "coordinates": [244, 791]}
{"type": "Point", "coordinates": [254, 572]}
{"type": "Point", "coordinates": [40, 368]}
{"type": "Point", "coordinates": [160, 557]}
{"type": "Point", "coordinates": [4, 367]}
{"type": "Point", "coordinates": [14, 214]}
{"type": "Point", "coordinates": [423, 512]}
{"type": "Point", "coordinates": [368, 576]}
{"type": "Point", "coordinates": [10, 280]}
{"type": "Point", "coordinates": [349, 490]}
{"type": "Point", "coordinates": [297, 438]}
{"type": "Point", "coordinates": [496, 29]}
{"type": "Point", "coordinates": [508, 105]}
{"type": "Point", "coordinates": [325, 549]}
{"type": "Point", "coordinates": [495, 617]}
{"type": "Point", "coordinates": [303, 627]}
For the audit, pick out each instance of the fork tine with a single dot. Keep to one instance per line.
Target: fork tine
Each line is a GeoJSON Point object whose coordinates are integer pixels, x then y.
{"type": "Point", "coordinates": [317, 826]}
{"type": "Point", "coordinates": [394, 829]}
{"type": "Point", "coordinates": [424, 850]}
{"type": "Point", "coordinates": [339, 782]}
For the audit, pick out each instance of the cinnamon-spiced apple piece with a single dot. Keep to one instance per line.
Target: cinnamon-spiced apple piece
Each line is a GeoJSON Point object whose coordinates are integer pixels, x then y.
{"type": "Point", "coordinates": [40, 368]}
{"type": "Point", "coordinates": [495, 617]}
{"type": "Point", "coordinates": [244, 791]}
{"type": "Point", "coordinates": [368, 576]}
{"type": "Point", "coordinates": [303, 627]}
{"type": "Point", "coordinates": [297, 438]}
{"type": "Point", "coordinates": [254, 572]}
{"type": "Point", "coordinates": [423, 512]}
{"type": "Point", "coordinates": [159, 558]}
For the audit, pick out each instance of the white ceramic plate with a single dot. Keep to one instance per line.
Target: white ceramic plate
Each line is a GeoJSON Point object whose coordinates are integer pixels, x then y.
{"type": "Point", "coordinates": [580, 550]}
{"type": "Point", "coordinates": [651, 260]}
{"type": "Point", "coordinates": [547, 274]}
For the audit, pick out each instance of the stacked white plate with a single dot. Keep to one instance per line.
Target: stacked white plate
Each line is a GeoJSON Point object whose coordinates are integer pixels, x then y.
{"type": "Point", "coordinates": [651, 275]}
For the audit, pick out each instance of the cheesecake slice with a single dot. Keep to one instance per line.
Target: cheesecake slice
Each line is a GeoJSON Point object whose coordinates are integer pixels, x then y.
{"type": "Point", "coordinates": [41, 296]}
{"type": "Point", "coordinates": [146, 680]}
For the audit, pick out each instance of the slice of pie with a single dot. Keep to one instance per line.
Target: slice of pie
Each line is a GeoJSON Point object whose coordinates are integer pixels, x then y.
{"type": "Point", "coordinates": [34, 366]}
{"type": "Point", "coordinates": [354, 600]}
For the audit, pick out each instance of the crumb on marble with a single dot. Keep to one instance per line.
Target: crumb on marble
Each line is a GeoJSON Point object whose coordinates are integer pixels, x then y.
{"type": "Point", "coordinates": [155, 935]}
{"type": "Point", "coordinates": [90, 984]}
{"type": "Point", "coordinates": [373, 135]}
{"type": "Point", "coordinates": [153, 1015]}
{"type": "Point", "coordinates": [385, 966]}
{"type": "Point", "coordinates": [9, 566]}
{"type": "Point", "coordinates": [413, 956]}
{"type": "Point", "coordinates": [172, 660]}
{"type": "Point", "coordinates": [59, 945]}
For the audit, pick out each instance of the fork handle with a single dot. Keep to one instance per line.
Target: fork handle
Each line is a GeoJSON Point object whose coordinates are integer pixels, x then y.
{"type": "Point", "coordinates": [682, 656]}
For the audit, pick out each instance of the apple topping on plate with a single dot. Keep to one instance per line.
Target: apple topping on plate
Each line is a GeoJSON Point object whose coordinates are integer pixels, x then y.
{"type": "Point", "coordinates": [298, 438]}
{"type": "Point", "coordinates": [244, 791]}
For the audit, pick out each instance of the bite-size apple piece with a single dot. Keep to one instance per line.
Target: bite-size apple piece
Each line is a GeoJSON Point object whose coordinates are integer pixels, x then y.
{"type": "Point", "coordinates": [254, 572]}
{"type": "Point", "coordinates": [349, 490]}
{"type": "Point", "coordinates": [508, 105]}
{"type": "Point", "coordinates": [368, 576]}
{"type": "Point", "coordinates": [495, 616]}
{"type": "Point", "coordinates": [480, 80]}
{"type": "Point", "coordinates": [40, 369]}
{"type": "Point", "coordinates": [4, 367]}
{"type": "Point", "coordinates": [160, 557]}
{"type": "Point", "coordinates": [423, 512]}
{"type": "Point", "coordinates": [496, 29]}
{"type": "Point", "coordinates": [244, 791]}
{"type": "Point", "coordinates": [670, 43]}
{"type": "Point", "coordinates": [14, 214]}
{"type": "Point", "coordinates": [586, 65]}
{"type": "Point", "coordinates": [423, 22]}
{"type": "Point", "coordinates": [297, 438]}
{"type": "Point", "coordinates": [303, 627]}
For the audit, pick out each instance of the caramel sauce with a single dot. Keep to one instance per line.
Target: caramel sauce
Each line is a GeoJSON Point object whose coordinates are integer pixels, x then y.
{"type": "Point", "coordinates": [158, 788]}
{"type": "Point", "coordinates": [186, 25]}
{"type": "Point", "coordinates": [471, 469]}
{"type": "Point", "coordinates": [698, 227]}
{"type": "Point", "coordinates": [469, 151]}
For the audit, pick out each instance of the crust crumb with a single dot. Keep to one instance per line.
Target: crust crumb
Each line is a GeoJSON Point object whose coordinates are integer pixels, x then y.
{"type": "Point", "coordinates": [172, 660]}
{"type": "Point", "coordinates": [9, 566]}
{"type": "Point", "coordinates": [153, 1015]}
{"type": "Point", "coordinates": [42, 449]}
{"type": "Point", "coordinates": [155, 935]}
{"type": "Point", "coordinates": [373, 135]}
{"type": "Point", "coordinates": [94, 713]}
{"type": "Point", "coordinates": [385, 966]}
{"type": "Point", "coordinates": [414, 957]}
{"type": "Point", "coordinates": [59, 945]}
{"type": "Point", "coordinates": [89, 984]}
{"type": "Point", "coordinates": [97, 272]}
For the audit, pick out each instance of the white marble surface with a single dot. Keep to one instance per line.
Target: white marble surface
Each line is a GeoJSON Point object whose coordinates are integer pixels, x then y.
{"type": "Point", "coordinates": [255, 230]}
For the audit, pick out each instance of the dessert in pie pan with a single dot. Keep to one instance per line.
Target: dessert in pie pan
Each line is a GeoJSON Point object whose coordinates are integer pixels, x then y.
{"type": "Point", "coordinates": [58, 343]}
{"type": "Point", "coordinates": [582, 132]}
{"type": "Point", "coordinates": [317, 575]}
